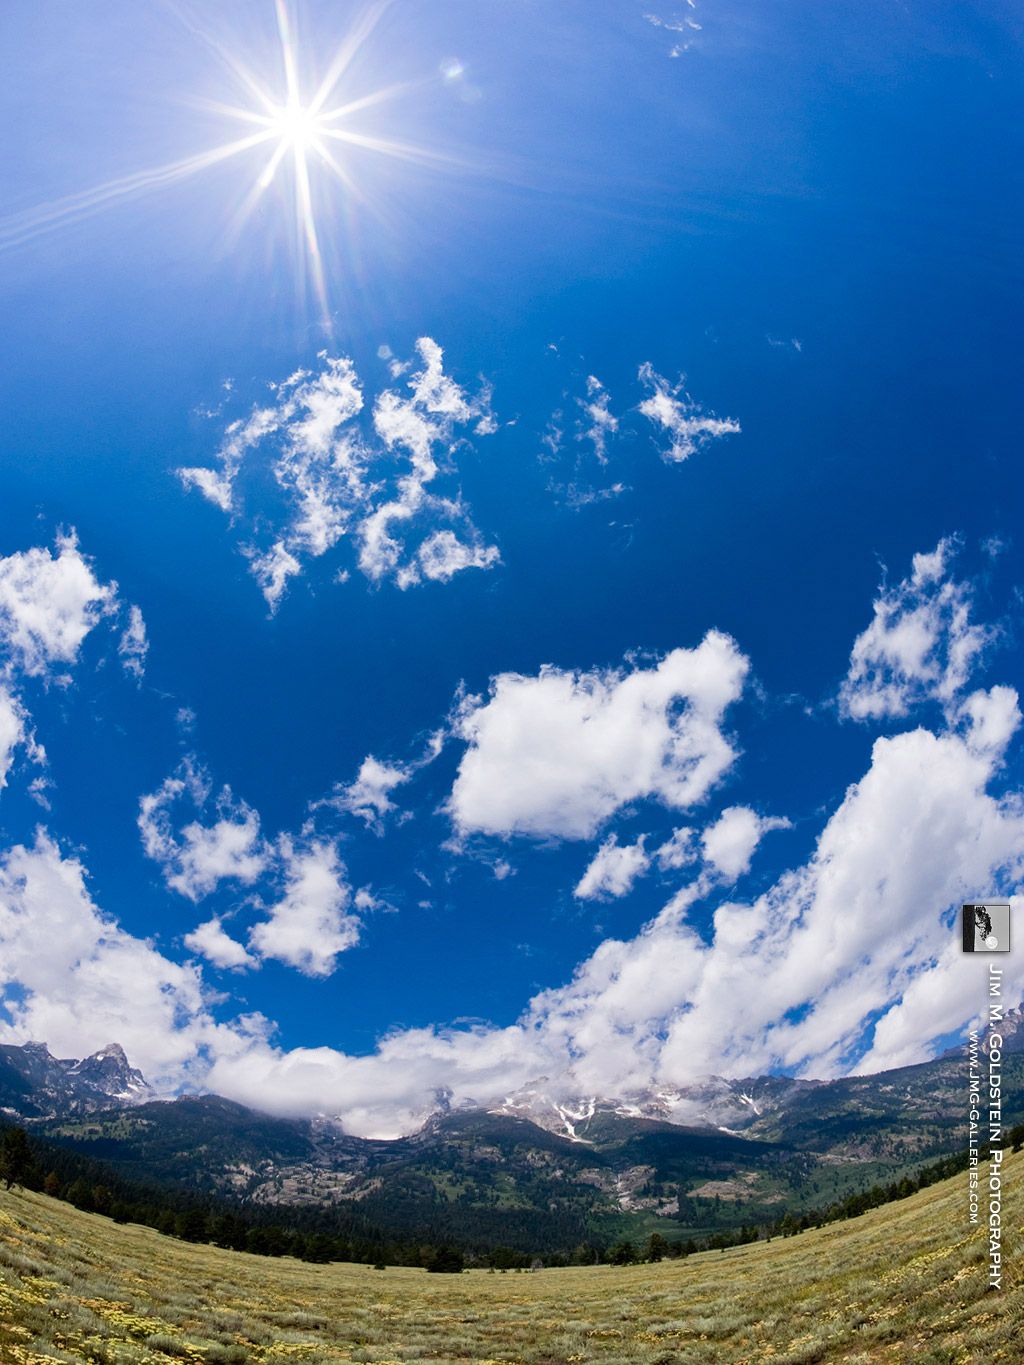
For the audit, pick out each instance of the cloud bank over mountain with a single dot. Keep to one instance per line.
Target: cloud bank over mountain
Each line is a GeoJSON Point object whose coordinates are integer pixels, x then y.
{"type": "Point", "coordinates": [846, 961]}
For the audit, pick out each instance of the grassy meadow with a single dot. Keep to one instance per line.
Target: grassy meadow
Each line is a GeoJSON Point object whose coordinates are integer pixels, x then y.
{"type": "Point", "coordinates": [904, 1282]}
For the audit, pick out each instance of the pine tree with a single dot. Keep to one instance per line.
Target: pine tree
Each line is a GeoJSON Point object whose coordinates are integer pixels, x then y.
{"type": "Point", "coordinates": [16, 1161]}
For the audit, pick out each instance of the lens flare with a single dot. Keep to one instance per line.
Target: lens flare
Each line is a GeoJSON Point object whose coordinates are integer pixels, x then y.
{"type": "Point", "coordinates": [297, 132]}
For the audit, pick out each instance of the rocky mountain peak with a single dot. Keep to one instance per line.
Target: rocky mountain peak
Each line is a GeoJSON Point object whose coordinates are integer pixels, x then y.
{"type": "Point", "coordinates": [36, 1084]}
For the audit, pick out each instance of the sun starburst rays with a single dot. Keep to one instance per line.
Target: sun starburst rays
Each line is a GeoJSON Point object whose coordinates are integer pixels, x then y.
{"type": "Point", "coordinates": [297, 132]}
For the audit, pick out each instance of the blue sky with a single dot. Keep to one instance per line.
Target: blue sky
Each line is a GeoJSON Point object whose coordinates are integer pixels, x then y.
{"type": "Point", "coordinates": [674, 329]}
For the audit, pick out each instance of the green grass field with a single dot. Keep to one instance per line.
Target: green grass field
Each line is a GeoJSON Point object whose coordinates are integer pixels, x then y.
{"type": "Point", "coordinates": [903, 1282]}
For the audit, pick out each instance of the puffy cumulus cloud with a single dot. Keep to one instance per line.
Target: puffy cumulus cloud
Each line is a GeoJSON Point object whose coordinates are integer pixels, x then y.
{"type": "Point", "coordinates": [921, 644]}
{"type": "Point", "coordinates": [863, 931]}
{"type": "Point", "coordinates": [559, 753]}
{"type": "Point", "coordinates": [337, 479]}
{"type": "Point", "coordinates": [942, 997]}
{"type": "Point", "coordinates": [12, 731]}
{"type": "Point", "coordinates": [990, 719]}
{"type": "Point", "coordinates": [81, 980]}
{"type": "Point", "coordinates": [210, 940]}
{"type": "Point", "coordinates": [300, 887]}
{"type": "Point", "coordinates": [412, 1074]}
{"type": "Point", "coordinates": [613, 870]}
{"type": "Point", "coordinates": [198, 857]}
{"type": "Point", "coordinates": [669, 407]}
{"type": "Point", "coordinates": [845, 937]}
{"type": "Point", "coordinates": [369, 796]}
{"type": "Point", "coordinates": [49, 602]}
{"type": "Point", "coordinates": [730, 842]}
{"type": "Point", "coordinates": [311, 924]}
{"type": "Point", "coordinates": [133, 645]}
{"type": "Point", "coordinates": [677, 851]}
{"type": "Point", "coordinates": [69, 975]}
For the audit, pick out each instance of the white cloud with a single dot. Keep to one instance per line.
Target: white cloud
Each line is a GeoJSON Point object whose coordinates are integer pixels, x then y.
{"type": "Point", "coordinates": [301, 887]}
{"type": "Point", "coordinates": [311, 924]}
{"type": "Point", "coordinates": [12, 730]}
{"type": "Point", "coordinates": [198, 857]}
{"type": "Point", "coordinates": [310, 412]}
{"type": "Point", "coordinates": [134, 644]}
{"type": "Point", "coordinates": [613, 870]}
{"type": "Point", "coordinates": [675, 412]}
{"type": "Point", "coordinates": [685, 25]}
{"type": "Point", "coordinates": [272, 571]}
{"type": "Point", "coordinates": [338, 481]}
{"type": "Point", "coordinates": [209, 854]}
{"type": "Point", "coordinates": [369, 796]}
{"type": "Point", "coordinates": [813, 960]}
{"type": "Point", "coordinates": [601, 423]}
{"type": "Point", "coordinates": [48, 604]}
{"type": "Point", "coordinates": [443, 555]}
{"type": "Point", "coordinates": [862, 929]}
{"type": "Point", "coordinates": [210, 940]}
{"type": "Point", "coordinates": [921, 644]}
{"type": "Point", "coordinates": [677, 851]}
{"type": "Point", "coordinates": [217, 485]}
{"type": "Point", "coordinates": [423, 425]}
{"type": "Point", "coordinates": [559, 753]}
{"type": "Point", "coordinates": [390, 1092]}
{"type": "Point", "coordinates": [730, 842]}
{"type": "Point", "coordinates": [991, 719]}
{"type": "Point", "coordinates": [847, 934]}
{"type": "Point", "coordinates": [85, 982]}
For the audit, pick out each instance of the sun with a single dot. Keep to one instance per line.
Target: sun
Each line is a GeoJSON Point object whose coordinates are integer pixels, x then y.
{"type": "Point", "coordinates": [298, 131]}
{"type": "Point", "coordinates": [296, 126]}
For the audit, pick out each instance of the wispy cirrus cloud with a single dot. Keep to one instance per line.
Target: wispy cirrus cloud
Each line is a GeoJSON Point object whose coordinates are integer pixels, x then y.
{"type": "Point", "coordinates": [680, 417]}
{"type": "Point", "coordinates": [385, 483]}
{"type": "Point", "coordinates": [601, 428]}
{"type": "Point", "coordinates": [368, 796]}
{"type": "Point", "coordinates": [599, 423]}
{"type": "Point", "coordinates": [686, 26]}
{"type": "Point", "coordinates": [133, 645]}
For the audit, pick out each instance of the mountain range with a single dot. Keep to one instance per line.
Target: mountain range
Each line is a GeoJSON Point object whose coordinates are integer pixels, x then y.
{"type": "Point", "coordinates": [536, 1169]}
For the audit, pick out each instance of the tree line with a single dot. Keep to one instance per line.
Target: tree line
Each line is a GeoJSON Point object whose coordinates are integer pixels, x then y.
{"type": "Point", "coordinates": [320, 1234]}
